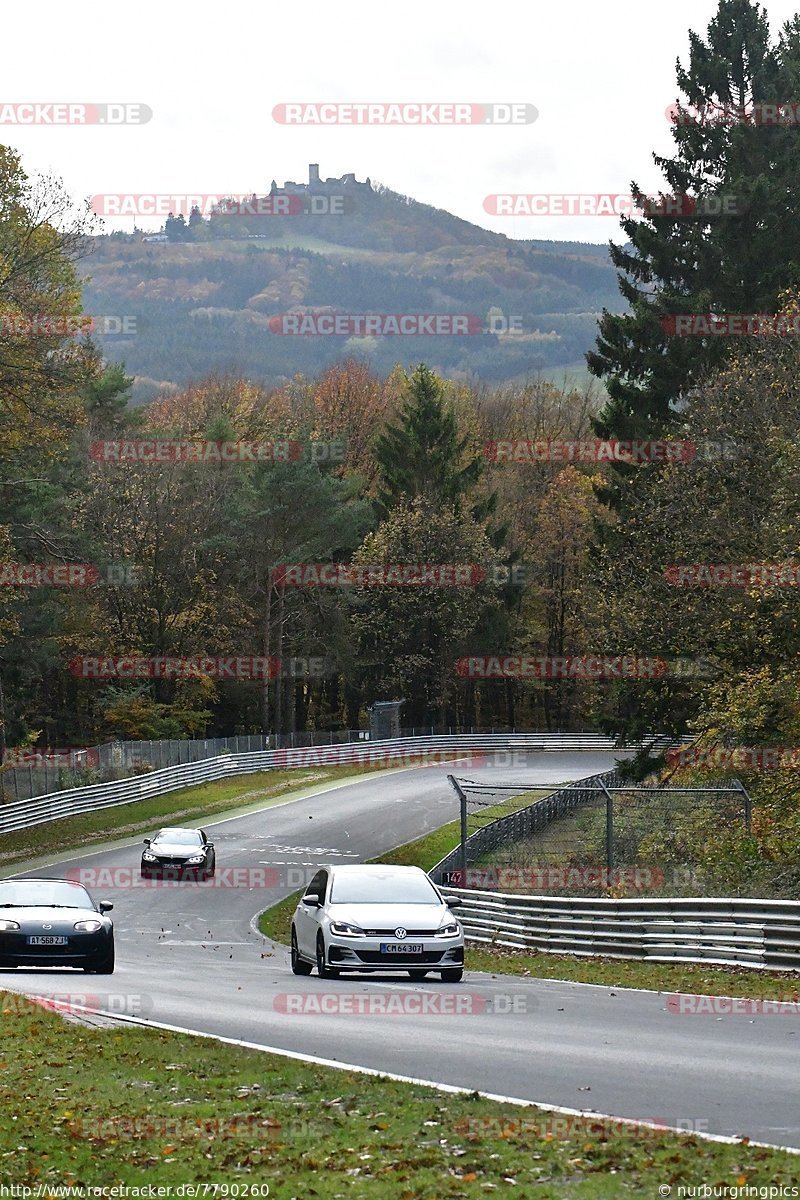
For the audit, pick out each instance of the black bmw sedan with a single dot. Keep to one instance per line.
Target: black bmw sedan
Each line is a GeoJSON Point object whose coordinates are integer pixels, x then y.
{"type": "Point", "coordinates": [179, 854]}
{"type": "Point", "coordinates": [54, 923]}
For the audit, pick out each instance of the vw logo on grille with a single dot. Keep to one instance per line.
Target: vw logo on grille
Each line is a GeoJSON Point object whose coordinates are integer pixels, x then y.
{"type": "Point", "coordinates": [400, 933]}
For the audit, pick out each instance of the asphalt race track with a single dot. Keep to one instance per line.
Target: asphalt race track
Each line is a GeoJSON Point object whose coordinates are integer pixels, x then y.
{"type": "Point", "coordinates": [188, 955]}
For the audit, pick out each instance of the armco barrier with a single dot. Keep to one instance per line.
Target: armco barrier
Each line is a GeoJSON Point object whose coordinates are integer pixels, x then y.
{"type": "Point", "coordinates": [742, 933]}
{"type": "Point", "coordinates": [25, 814]}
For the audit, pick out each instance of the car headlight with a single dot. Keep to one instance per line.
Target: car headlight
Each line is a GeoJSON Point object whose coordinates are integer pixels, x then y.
{"type": "Point", "coordinates": [344, 930]}
{"type": "Point", "coordinates": [6, 924]}
{"type": "Point", "coordinates": [196, 858]}
{"type": "Point", "coordinates": [88, 926]}
{"type": "Point", "coordinates": [450, 929]}
{"type": "Point", "coordinates": [148, 857]}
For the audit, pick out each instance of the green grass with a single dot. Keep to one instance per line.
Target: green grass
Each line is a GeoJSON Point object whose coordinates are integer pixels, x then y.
{"type": "Point", "coordinates": [123, 1106]}
{"type": "Point", "coordinates": [140, 816]}
{"type": "Point", "coordinates": [700, 979]}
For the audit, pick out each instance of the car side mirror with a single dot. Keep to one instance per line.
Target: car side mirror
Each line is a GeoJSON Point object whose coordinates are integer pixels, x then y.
{"type": "Point", "coordinates": [147, 841]}
{"type": "Point", "coordinates": [105, 906]}
{"type": "Point", "coordinates": [454, 902]}
{"type": "Point", "coordinates": [312, 901]}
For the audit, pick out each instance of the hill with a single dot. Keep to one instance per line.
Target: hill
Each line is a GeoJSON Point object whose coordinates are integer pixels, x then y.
{"type": "Point", "coordinates": [211, 298]}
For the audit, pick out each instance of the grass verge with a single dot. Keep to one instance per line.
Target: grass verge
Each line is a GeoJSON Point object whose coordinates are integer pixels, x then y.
{"type": "Point", "coordinates": [189, 804]}
{"type": "Point", "coordinates": [700, 979]}
{"type": "Point", "coordinates": [88, 1107]}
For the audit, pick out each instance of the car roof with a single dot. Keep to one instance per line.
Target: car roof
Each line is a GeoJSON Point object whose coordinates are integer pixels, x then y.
{"type": "Point", "coordinates": [177, 829]}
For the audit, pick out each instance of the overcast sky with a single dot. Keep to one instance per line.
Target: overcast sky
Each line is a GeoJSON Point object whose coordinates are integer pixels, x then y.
{"type": "Point", "coordinates": [600, 76]}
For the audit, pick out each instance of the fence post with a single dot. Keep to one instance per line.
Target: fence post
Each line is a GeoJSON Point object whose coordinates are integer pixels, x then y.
{"type": "Point", "coordinates": [462, 796]}
{"type": "Point", "coordinates": [609, 829]}
{"type": "Point", "coordinates": [748, 806]}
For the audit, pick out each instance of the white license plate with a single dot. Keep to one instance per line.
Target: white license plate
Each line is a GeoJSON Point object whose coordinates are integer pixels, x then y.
{"type": "Point", "coordinates": [401, 947]}
{"type": "Point", "coordinates": [47, 939]}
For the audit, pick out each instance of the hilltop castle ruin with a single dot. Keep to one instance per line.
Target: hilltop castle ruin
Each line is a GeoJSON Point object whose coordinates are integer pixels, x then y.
{"type": "Point", "coordinates": [316, 184]}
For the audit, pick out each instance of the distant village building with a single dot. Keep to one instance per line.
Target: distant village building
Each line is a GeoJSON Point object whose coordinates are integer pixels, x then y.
{"type": "Point", "coordinates": [156, 237]}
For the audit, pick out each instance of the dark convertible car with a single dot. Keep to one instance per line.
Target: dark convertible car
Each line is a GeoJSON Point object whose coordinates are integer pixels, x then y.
{"type": "Point", "coordinates": [54, 923]}
{"type": "Point", "coordinates": [179, 854]}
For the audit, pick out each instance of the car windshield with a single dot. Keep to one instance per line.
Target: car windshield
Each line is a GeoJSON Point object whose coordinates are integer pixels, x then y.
{"type": "Point", "coordinates": [38, 893]}
{"type": "Point", "coordinates": [383, 889]}
{"type": "Point", "coordinates": [185, 836]}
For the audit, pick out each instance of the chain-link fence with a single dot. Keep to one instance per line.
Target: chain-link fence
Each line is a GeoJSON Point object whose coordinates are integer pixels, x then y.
{"type": "Point", "coordinates": [600, 837]}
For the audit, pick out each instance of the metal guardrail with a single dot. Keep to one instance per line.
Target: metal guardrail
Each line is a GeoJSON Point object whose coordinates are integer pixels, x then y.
{"type": "Point", "coordinates": [742, 933]}
{"type": "Point", "coordinates": [28, 773]}
{"type": "Point", "coordinates": [25, 814]}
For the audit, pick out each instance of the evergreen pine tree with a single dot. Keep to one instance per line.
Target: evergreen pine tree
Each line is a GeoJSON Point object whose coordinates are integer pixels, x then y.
{"type": "Point", "coordinates": [712, 263]}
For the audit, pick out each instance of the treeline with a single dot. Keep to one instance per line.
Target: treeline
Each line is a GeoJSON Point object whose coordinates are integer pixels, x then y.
{"type": "Point", "coordinates": [383, 470]}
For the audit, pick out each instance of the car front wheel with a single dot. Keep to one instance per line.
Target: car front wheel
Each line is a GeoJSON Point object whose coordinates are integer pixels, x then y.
{"type": "Point", "coordinates": [453, 975]}
{"type": "Point", "coordinates": [299, 965]}
{"type": "Point", "coordinates": [417, 975]}
{"type": "Point", "coordinates": [323, 971]}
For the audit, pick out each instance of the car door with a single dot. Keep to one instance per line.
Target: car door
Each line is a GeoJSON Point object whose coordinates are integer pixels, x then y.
{"type": "Point", "coordinates": [307, 919]}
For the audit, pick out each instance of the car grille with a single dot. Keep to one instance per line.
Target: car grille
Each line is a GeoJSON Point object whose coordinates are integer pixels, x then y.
{"type": "Point", "coordinates": [390, 933]}
{"type": "Point", "coordinates": [408, 960]}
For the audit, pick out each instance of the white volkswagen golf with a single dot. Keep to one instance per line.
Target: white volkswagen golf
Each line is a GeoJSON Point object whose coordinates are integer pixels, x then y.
{"type": "Point", "coordinates": [376, 918]}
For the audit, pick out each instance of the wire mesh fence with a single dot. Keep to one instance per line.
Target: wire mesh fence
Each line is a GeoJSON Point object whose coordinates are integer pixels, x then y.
{"type": "Point", "coordinates": [598, 837]}
{"type": "Point", "coordinates": [41, 773]}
